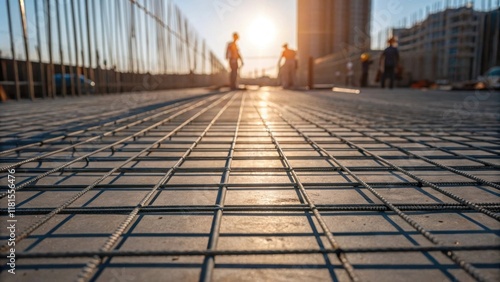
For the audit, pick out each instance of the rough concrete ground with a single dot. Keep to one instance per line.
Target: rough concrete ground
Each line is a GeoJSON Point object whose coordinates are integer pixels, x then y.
{"type": "Point", "coordinates": [273, 170]}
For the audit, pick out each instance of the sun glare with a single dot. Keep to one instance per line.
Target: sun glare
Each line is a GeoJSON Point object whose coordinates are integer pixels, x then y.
{"type": "Point", "coordinates": [262, 32]}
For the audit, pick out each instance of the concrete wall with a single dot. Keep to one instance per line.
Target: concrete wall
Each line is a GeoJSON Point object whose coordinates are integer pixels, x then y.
{"type": "Point", "coordinates": [328, 26]}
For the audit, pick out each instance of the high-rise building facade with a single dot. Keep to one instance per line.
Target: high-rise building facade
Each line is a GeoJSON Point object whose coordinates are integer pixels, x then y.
{"type": "Point", "coordinates": [456, 44]}
{"type": "Point", "coordinates": [330, 26]}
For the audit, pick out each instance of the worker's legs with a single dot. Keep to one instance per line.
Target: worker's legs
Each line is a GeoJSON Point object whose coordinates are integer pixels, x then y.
{"type": "Point", "coordinates": [290, 74]}
{"type": "Point", "coordinates": [389, 73]}
{"type": "Point", "coordinates": [392, 76]}
{"type": "Point", "coordinates": [291, 79]}
{"type": "Point", "coordinates": [287, 77]}
{"type": "Point", "coordinates": [234, 74]}
{"type": "Point", "coordinates": [364, 79]}
{"type": "Point", "coordinates": [232, 78]}
{"type": "Point", "coordinates": [293, 68]}
{"type": "Point", "coordinates": [284, 77]}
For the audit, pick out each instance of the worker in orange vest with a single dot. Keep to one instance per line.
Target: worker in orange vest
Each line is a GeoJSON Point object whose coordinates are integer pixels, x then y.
{"type": "Point", "coordinates": [288, 69]}
{"type": "Point", "coordinates": [234, 57]}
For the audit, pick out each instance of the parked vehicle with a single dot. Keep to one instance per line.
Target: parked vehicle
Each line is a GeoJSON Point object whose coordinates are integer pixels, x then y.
{"type": "Point", "coordinates": [86, 85]}
{"type": "Point", "coordinates": [491, 79]}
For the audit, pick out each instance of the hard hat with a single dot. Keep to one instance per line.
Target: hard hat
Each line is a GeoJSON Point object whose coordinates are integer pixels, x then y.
{"type": "Point", "coordinates": [365, 57]}
{"type": "Point", "coordinates": [392, 40]}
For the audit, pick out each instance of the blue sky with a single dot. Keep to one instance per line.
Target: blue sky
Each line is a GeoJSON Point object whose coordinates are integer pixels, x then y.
{"type": "Point", "coordinates": [215, 20]}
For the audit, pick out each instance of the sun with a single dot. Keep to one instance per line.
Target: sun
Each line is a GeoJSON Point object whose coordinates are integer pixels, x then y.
{"type": "Point", "coordinates": [262, 32]}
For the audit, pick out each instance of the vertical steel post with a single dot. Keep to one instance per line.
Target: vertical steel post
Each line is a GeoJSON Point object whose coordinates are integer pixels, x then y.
{"type": "Point", "coordinates": [146, 18]}
{"type": "Point", "coordinates": [133, 31]}
{"type": "Point", "coordinates": [203, 57]}
{"type": "Point", "coordinates": [137, 37]}
{"type": "Point", "coordinates": [115, 44]}
{"type": "Point", "coordinates": [29, 70]}
{"type": "Point", "coordinates": [310, 74]}
{"type": "Point", "coordinates": [180, 50]}
{"type": "Point", "coordinates": [195, 53]}
{"type": "Point", "coordinates": [84, 69]}
{"type": "Point", "coordinates": [133, 37]}
{"type": "Point", "coordinates": [104, 36]}
{"type": "Point", "coordinates": [61, 53]}
{"type": "Point", "coordinates": [159, 56]}
{"type": "Point", "coordinates": [70, 58]}
{"type": "Point", "coordinates": [39, 50]}
{"type": "Point", "coordinates": [75, 37]}
{"type": "Point", "coordinates": [169, 39]}
{"type": "Point", "coordinates": [50, 74]}
{"type": "Point", "coordinates": [13, 51]}
{"type": "Point", "coordinates": [163, 38]}
{"type": "Point", "coordinates": [89, 42]}
{"type": "Point", "coordinates": [126, 39]}
{"type": "Point", "coordinates": [211, 63]}
{"type": "Point", "coordinates": [98, 76]}
{"type": "Point", "coordinates": [186, 43]}
{"type": "Point", "coordinates": [121, 40]}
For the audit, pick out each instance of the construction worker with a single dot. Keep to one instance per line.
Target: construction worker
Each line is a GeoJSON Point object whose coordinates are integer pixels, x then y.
{"type": "Point", "coordinates": [234, 57]}
{"type": "Point", "coordinates": [289, 68]}
{"type": "Point", "coordinates": [365, 68]}
{"type": "Point", "coordinates": [389, 61]}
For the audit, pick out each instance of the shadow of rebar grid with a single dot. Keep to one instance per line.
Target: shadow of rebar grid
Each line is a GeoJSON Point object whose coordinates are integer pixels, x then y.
{"type": "Point", "coordinates": [189, 185]}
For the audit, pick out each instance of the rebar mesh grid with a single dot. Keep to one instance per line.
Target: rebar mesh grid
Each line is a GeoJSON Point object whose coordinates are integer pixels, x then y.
{"type": "Point", "coordinates": [256, 185]}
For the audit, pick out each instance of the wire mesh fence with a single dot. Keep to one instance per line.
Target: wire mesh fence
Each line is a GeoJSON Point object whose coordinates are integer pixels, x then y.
{"type": "Point", "coordinates": [63, 47]}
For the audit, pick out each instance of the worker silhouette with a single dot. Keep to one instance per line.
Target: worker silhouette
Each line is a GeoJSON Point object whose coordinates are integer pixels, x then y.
{"type": "Point", "coordinates": [389, 61]}
{"type": "Point", "coordinates": [365, 68]}
{"type": "Point", "coordinates": [234, 57]}
{"type": "Point", "coordinates": [289, 68]}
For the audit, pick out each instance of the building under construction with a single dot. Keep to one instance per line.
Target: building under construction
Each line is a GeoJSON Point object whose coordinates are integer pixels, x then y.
{"type": "Point", "coordinates": [456, 44]}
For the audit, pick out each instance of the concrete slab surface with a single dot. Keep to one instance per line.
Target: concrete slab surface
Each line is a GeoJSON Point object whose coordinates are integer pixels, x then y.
{"type": "Point", "coordinates": [265, 185]}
